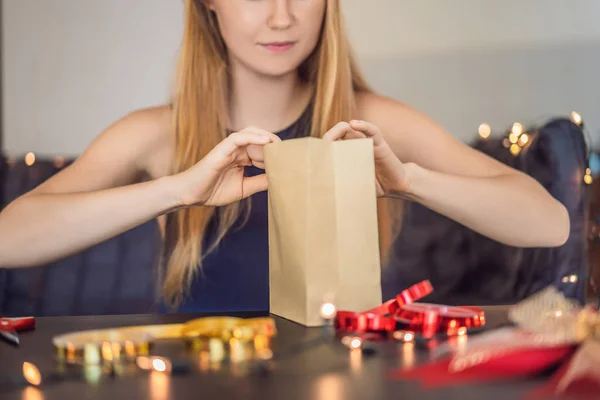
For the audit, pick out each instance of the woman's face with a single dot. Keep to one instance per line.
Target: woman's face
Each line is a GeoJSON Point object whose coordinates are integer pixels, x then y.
{"type": "Point", "coordinates": [271, 37]}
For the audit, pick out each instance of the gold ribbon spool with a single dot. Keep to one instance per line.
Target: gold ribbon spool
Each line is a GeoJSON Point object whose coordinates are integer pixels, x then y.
{"type": "Point", "coordinates": [97, 346]}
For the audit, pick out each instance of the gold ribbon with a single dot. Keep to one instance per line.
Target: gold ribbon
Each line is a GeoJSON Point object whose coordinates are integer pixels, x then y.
{"type": "Point", "coordinates": [93, 346]}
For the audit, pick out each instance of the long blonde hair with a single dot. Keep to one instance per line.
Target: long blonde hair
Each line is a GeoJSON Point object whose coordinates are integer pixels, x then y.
{"type": "Point", "coordinates": [200, 122]}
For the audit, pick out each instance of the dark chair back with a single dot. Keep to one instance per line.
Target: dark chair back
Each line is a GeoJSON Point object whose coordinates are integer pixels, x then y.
{"type": "Point", "coordinates": [114, 277]}
{"type": "Point", "coordinates": [467, 268]}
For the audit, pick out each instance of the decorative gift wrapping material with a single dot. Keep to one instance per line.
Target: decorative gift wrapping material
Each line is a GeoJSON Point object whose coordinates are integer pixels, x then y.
{"type": "Point", "coordinates": [550, 331]}
{"type": "Point", "coordinates": [96, 346]}
{"type": "Point", "coordinates": [105, 353]}
{"type": "Point", "coordinates": [323, 231]}
{"type": "Point", "coordinates": [403, 316]}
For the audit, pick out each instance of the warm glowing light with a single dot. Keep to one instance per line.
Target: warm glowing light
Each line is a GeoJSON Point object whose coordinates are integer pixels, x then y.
{"type": "Point", "coordinates": [515, 149]}
{"type": "Point", "coordinates": [159, 365]}
{"type": "Point", "coordinates": [92, 373]}
{"type": "Point", "coordinates": [588, 171]}
{"type": "Point", "coordinates": [159, 386]}
{"type": "Point", "coordinates": [32, 374]}
{"type": "Point", "coordinates": [356, 361]}
{"type": "Point", "coordinates": [91, 353]}
{"type": "Point", "coordinates": [261, 342]}
{"type": "Point", "coordinates": [576, 117]}
{"type": "Point", "coordinates": [59, 162]}
{"type": "Point", "coordinates": [588, 179]}
{"type": "Point", "coordinates": [352, 341]}
{"type": "Point", "coordinates": [107, 352]}
{"type": "Point", "coordinates": [513, 138]}
{"type": "Point", "coordinates": [204, 361]}
{"type": "Point", "coordinates": [565, 279]}
{"type": "Point", "coordinates": [506, 143]}
{"type": "Point", "coordinates": [29, 159]}
{"type": "Point", "coordinates": [523, 139]}
{"type": "Point", "coordinates": [462, 331]}
{"type": "Point", "coordinates": [408, 355]}
{"type": "Point", "coordinates": [31, 393]}
{"type": "Point", "coordinates": [144, 363]}
{"type": "Point", "coordinates": [573, 278]}
{"type": "Point", "coordinates": [404, 336]}
{"type": "Point", "coordinates": [70, 352]}
{"type": "Point", "coordinates": [130, 349]}
{"type": "Point", "coordinates": [265, 354]}
{"type": "Point", "coordinates": [485, 130]}
{"type": "Point", "coordinates": [238, 351]}
{"type": "Point", "coordinates": [216, 349]}
{"type": "Point", "coordinates": [328, 310]}
{"type": "Point", "coordinates": [355, 343]}
{"type": "Point", "coordinates": [517, 128]}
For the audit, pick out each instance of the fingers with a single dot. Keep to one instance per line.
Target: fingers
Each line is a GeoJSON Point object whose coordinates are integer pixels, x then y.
{"type": "Point", "coordinates": [247, 137]}
{"type": "Point", "coordinates": [262, 132]}
{"type": "Point", "coordinates": [253, 184]}
{"type": "Point", "coordinates": [258, 163]}
{"type": "Point", "coordinates": [342, 130]}
{"type": "Point", "coordinates": [368, 129]}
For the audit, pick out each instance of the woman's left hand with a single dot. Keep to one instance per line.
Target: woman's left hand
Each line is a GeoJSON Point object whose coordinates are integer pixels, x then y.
{"type": "Point", "coordinates": [390, 172]}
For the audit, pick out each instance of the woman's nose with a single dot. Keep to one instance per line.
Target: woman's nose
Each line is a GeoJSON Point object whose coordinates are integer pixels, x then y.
{"type": "Point", "coordinates": [281, 16]}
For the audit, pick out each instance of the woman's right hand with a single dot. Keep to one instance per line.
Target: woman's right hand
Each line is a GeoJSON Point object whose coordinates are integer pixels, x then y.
{"type": "Point", "coordinates": [218, 178]}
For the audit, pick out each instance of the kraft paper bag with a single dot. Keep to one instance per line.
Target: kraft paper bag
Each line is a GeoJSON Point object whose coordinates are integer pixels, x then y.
{"type": "Point", "coordinates": [323, 232]}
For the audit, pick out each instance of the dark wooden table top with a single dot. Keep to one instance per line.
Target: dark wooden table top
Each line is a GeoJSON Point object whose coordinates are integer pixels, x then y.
{"type": "Point", "coordinates": [321, 372]}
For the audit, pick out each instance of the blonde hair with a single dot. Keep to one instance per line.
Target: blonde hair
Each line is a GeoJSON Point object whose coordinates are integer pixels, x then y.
{"type": "Point", "coordinates": [200, 123]}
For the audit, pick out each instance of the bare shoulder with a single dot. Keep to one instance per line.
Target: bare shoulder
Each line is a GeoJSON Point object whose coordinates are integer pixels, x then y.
{"type": "Point", "coordinates": [375, 105]}
{"type": "Point", "coordinates": [139, 134]}
{"type": "Point", "coordinates": [399, 122]}
{"type": "Point", "coordinates": [416, 137]}
{"type": "Point", "coordinates": [394, 116]}
{"type": "Point", "coordinates": [140, 139]}
{"type": "Point", "coordinates": [151, 130]}
{"type": "Point", "coordinates": [131, 149]}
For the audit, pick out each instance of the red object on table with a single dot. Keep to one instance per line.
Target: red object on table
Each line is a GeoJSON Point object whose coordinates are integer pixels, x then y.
{"type": "Point", "coordinates": [10, 326]}
{"type": "Point", "coordinates": [402, 313]}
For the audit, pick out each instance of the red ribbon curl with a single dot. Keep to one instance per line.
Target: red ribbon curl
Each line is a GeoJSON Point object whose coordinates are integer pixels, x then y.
{"type": "Point", "coordinates": [403, 313]}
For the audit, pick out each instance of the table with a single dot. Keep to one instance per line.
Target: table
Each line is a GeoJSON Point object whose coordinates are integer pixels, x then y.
{"type": "Point", "coordinates": [323, 372]}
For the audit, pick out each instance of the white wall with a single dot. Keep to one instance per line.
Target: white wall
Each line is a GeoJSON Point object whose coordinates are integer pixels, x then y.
{"type": "Point", "coordinates": [469, 61]}
{"type": "Point", "coordinates": [71, 67]}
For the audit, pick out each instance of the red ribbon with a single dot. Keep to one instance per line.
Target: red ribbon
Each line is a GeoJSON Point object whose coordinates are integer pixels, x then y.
{"type": "Point", "coordinates": [402, 313]}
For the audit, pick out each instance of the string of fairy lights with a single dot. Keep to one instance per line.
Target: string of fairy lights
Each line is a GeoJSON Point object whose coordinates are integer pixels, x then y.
{"type": "Point", "coordinates": [517, 139]}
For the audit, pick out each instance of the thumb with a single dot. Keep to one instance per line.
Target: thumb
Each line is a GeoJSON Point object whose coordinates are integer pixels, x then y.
{"type": "Point", "coordinates": [253, 184]}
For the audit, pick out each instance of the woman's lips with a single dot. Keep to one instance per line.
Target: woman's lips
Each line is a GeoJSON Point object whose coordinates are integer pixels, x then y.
{"type": "Point", "coordinates": [278, 47]}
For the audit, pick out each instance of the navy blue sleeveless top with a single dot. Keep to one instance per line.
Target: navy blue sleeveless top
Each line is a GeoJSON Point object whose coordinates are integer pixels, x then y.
{"type": "Point", "coordinates": [235, 275]}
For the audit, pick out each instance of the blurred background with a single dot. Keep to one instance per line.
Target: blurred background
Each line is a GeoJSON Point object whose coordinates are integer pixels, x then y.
{"type": "Point", "coordinates": [70, 68]}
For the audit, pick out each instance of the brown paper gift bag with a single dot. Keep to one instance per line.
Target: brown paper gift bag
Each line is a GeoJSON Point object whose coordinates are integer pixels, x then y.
{"type": "Point", "coordinates": [323, 236]}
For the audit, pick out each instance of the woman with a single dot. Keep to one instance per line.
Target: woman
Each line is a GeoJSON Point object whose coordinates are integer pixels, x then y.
{"type": "Point", "coordinates": [283, 66]}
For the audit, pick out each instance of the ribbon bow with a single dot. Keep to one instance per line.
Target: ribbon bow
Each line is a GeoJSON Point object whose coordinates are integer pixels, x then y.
{"type": "Point", "coordinates": [549, 331]}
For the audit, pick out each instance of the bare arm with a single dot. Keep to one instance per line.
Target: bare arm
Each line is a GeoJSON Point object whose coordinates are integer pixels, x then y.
{"type": "Point", "coordinates": [98, 196]}
{"type": "Point", "coordinates": [466, 185]}
{"type": "Point", "coordinates": [92, 200]}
